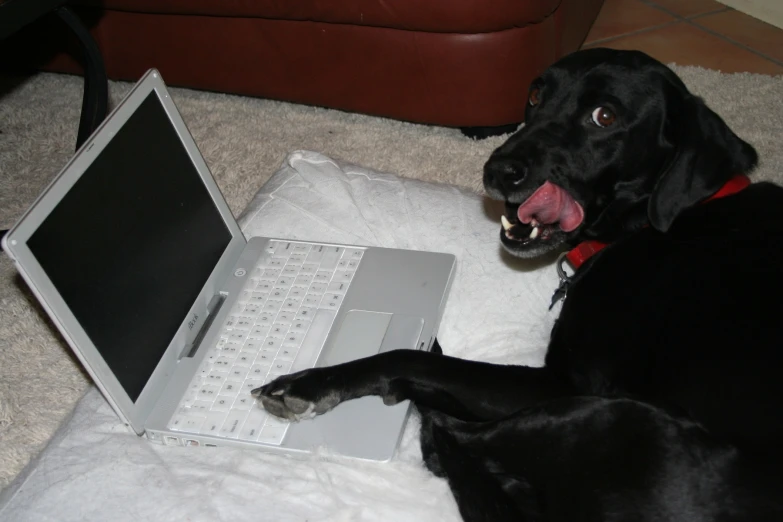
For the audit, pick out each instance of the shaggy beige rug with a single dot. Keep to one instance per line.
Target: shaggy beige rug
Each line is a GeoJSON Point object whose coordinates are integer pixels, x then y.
{"type": "Point", "coordinates": [244, 141]}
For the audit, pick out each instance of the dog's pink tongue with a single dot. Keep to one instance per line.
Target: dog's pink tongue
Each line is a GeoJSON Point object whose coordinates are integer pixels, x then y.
{"type": "Point", "coordinates": [551, 204]}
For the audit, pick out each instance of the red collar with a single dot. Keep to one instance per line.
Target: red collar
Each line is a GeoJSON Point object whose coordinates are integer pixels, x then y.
{"type": "Point", "coordinates": [587, 249]}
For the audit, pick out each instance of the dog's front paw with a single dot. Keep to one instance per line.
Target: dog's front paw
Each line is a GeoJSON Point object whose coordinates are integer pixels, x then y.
{"type": "Point", "coordinates": [301, 395]}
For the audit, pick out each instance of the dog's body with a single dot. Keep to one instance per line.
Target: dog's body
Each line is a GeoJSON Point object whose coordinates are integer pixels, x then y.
{"type": "Point", "coordinates": [660, 396]}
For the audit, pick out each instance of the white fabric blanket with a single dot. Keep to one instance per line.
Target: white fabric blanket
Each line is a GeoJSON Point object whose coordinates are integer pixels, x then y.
{"type": "Point", "coordinates": [94, 469]}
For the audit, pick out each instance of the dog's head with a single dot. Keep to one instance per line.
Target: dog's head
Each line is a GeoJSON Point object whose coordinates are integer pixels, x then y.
{"type": "Point", "coordinates": [613, 141]}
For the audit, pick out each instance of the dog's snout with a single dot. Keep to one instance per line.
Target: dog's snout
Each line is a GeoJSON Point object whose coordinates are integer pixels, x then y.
{"type": "Point", "coordinates": [504, 174]}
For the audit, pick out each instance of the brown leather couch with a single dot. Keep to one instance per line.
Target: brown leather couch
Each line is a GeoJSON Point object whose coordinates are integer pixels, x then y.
{"type": "Point", "coordinates": [462, 63]}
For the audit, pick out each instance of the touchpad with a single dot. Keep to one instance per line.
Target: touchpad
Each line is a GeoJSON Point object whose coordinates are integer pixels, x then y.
{"type": "Point", "coordinates": [364, 333]}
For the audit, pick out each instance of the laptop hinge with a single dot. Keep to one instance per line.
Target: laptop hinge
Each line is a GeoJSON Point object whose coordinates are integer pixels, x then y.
{"type": "Point", "coordinates": [212, 310]}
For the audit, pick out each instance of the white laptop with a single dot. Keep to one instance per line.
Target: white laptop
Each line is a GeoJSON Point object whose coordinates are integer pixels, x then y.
{"type": "Point", "coordinates": [138, 260]}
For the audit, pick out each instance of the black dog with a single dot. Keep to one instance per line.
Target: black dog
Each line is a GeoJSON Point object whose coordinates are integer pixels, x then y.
{"type": "Point", "coordinates": [661, 394]}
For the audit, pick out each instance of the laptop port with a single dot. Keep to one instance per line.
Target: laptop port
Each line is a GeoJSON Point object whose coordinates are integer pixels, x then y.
{"type": "Point", "coordinates": [191, 442]}
{"type": "Point", "coordinates": [210, 445]}
{"type": "Point", "coordinates": [171, 441]}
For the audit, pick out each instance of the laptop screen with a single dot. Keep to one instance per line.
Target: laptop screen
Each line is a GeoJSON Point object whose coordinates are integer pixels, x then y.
{"type": "Point", "coordinates": [133, 242]}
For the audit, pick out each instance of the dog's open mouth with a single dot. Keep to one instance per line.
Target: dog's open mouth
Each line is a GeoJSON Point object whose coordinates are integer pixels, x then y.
{"type": "Point", "coordinates": [550, 209]}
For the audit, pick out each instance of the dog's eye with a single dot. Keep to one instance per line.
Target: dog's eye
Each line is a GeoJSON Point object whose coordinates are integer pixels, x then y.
{"type": "Point", "coordinates": [603, 117]}
{"type": "Point", "coordinates": [535, 97]}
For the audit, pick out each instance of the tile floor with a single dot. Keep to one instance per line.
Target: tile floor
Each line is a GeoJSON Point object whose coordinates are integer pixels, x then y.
{"type": "Point", "coordinates": [690, 32]}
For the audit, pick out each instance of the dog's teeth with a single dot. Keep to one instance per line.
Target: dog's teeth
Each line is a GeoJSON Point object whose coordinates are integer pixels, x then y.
{"type": "Point", "coordinates": [534, 233]}
{"type": "Point", "coordinates": [505, 222]}
{"type": "Point", "coordinates": [533, 223]}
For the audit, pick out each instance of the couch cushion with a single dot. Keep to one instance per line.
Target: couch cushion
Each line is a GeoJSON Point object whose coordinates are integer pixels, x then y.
{"type": "Point", "coordinates": [447, 16]}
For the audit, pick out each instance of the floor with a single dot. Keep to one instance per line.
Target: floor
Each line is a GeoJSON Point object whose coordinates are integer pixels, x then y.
{"type": "Point", "coordinates": [690, 32]}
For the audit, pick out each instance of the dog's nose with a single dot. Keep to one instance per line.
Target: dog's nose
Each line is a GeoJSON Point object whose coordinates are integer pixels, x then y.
{"type": "Point", "coordinates": [504, 174]}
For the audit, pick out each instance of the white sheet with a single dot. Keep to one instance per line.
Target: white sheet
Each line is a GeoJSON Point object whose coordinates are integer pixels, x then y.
{"type": "Point", "coordinates": [95, 470]}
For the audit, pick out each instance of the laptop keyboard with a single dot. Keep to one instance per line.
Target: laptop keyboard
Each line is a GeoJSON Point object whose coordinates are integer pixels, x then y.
{"type": "Point", "coordinates": [278, 326]}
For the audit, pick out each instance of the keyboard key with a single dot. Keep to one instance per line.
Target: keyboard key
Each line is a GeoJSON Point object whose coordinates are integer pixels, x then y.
{"type": "Point", "coordinates": [301, 248]}
{"type": "Point", "coordinates": [230, 389]}
{"type": "Point", "coordinates": [332, 301]}
{"type": "Point", "coordinates": [290, 271]}
{"type": "Point", "coordinates": [233, 424]}
{"type": "Point", "coordinates": [222, 403]}
{"type": "Point", "coordinates": [259, 331]}
{"type": "Point", "coordinates": [246, 358]}
{"type": "Point", "coordinates": [271, 246]}
{"type": "Point", "coordinates": [272, 434]}
{"type": "Point", "coordinates": [204, 370]}
{"type": "Point", "coordinates": [297, 292]}
{"type": "Point", "coordinates": [281, 366]}
{"type": "Point", "coordinates": [264, 287]}
{"type": "Point", "coordinates": [278, 331]}
{"type": "Point", "coordinates": [322, 277]}
{"type": "Point", "coordinates": [286, 353]}
{"type": "Point", "coordinates": [305, 313]}
{"type": "Point", "coordinates": [284, 282]}
{"type": "Point", "coordinates": [270, 275]}
{"type": "Point", "coordinates": [258, 297]}
{"type": "Point", "coordinates": [186, 423]}
{"type": "Point", "coordinates": [318, 288]}
{"type": "Point", "coordinates": [330, 258]}
{"type": "Point", "coordinates": [253, 345]}
{"type": "Point", "coordinates": [200, 406]}
{"type": "Point", "coordinates": [315, 255]}
{"type": "Point", "coordinates": [237, 336]}
{"type": "Point", "coordinates": [337, 287]}
{"type": "Point", "coordinates": [223, 363]}
{"type": "Point", "coordinates": [231, 349]}
{"type": "Point", "coordinates": [217, 377]}
{"type": "Point", "coordinates": [271, 376]}
{"type": "Point", "coordinates": [300, 326]}
{"type": "Point", "coordinates": [353, 253]}
{"type": "Point", "coordinates": [342, 276]}
{"type": "Point", "coordinates": [243, 323]}
{"type": "Point", "coordinates": [238, 373]}
{"type": "Point", "coordinates": [308, 268]}
{"type": "Point", "coordinates": [251, 309]}
{"type": "Point", "coordinates": [273, 307]}
{"type": "Point", "coordinates": [189, 398]}
{"type": "Point", "coordinates": [285, 317]}
{"type": "Point", "coordinates": [259, 371]}
{"type": "Point", "coordinates": [253, 424]}
{"type": "Point", "coordinates": [265, 357]}
{"type": "Point", "coordinates": [291, 305]}
{"type": "Point", "coordinates": [244, 402]}
{"type": "Point", "coordinates": [212, 355]}
{"type": "Point", "coordinates": [272, 343]}
{"type": "Point", "coordinates": [213, 422]}
{"type": "Point", "coordinates": [251, 384]}
{"type": "Point", "coordinates": [293, 339]}
{"type": "Point", "coordinates": [265, 319]}
{"type": "Point", "coordinates": [304, 279]}
{"type": "Point", "coordinates": [276, 421]}
{"type": "Point", "coordinates": [312, 300]}
{"type": "Point", "coordinates": [230, 320]}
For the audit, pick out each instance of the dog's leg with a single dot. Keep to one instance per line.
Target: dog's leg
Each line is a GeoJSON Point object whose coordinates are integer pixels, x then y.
{"type": "Point", "coordinates": [482, 496]}
{"type": "Point", "coordinates": [464, 389]}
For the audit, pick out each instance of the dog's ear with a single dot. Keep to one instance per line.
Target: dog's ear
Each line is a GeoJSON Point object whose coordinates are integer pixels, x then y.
{"type": "Point", "coordinates": [706, 155]}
